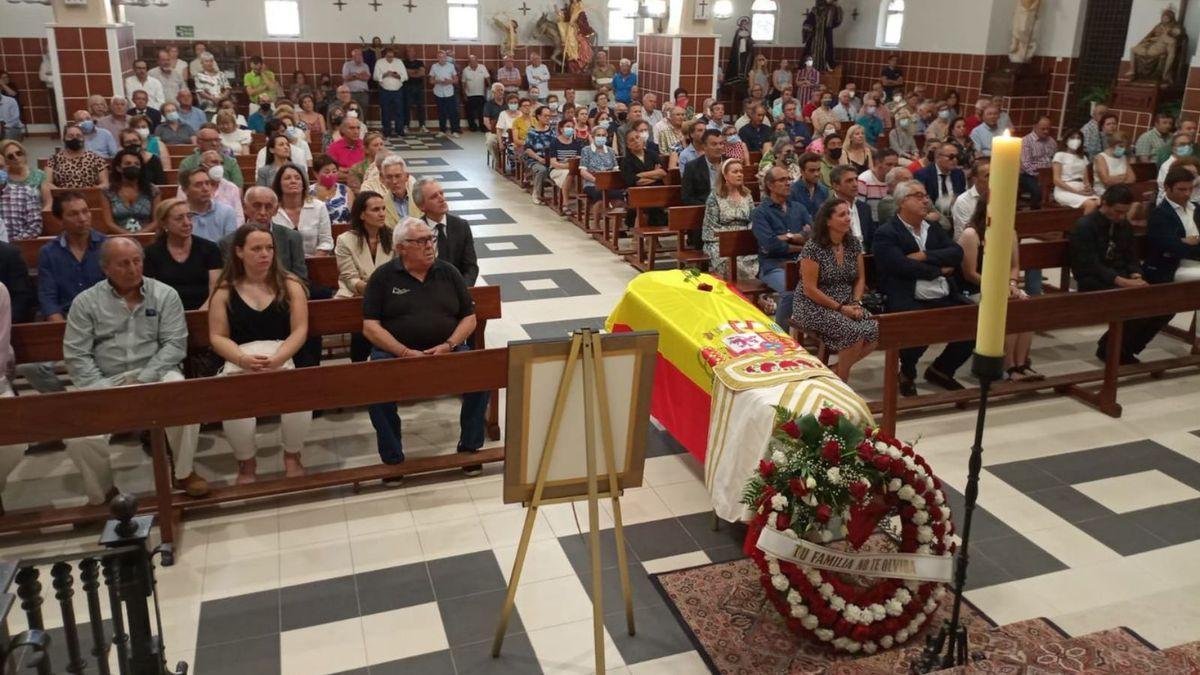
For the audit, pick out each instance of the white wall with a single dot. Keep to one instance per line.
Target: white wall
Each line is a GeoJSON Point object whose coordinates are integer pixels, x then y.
{"type": "Point", "coordinates": [1060, 29]}
{"type": "Point", "coordinates": [24, 20]}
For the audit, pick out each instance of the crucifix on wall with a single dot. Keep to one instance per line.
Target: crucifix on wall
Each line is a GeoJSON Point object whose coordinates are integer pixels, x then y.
{"type": "Point", "coordinates": [375, 5]}
{"type": "Point", "coordinates": [410, 5]}
{"type": "Point", "coordinates": [701, 10]}
{"type": "Point", "coordinates": [339, 4]}
{"type": "Point", "coordinates": [524, 9]}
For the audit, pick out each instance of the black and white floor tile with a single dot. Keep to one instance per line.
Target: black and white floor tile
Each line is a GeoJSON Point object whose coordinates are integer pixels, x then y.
{"type": "Point", "coordinates": [439, 176]}
{"type": "Point", "coordinates": [422, 142]}
{"type": "Point", "coordinates": [485, 216]}
{"type": "Point", "coordinates": [508, 246]}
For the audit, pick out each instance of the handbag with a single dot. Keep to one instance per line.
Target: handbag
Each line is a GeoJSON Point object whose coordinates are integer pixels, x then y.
{"type": "Point", "coordinates": [873, 302]}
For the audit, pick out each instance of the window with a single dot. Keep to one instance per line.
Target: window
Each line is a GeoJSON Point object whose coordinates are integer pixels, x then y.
{"type": "Point", "coordinates": [622, 24]}
{"type": "Point", "coordinates": [464, 19]}
{"type": "Point", "coordinates": [283, 18]}
{"type": "Point", "coordinates": [893, 23]}
{"type": "Point", "coordinates": [762, 20]}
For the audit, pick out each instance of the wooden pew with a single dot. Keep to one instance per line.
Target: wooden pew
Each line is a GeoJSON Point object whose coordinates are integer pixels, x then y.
{"type": "Point", "coordinates": [612, 217]}
{"type": "Point", "coordinates": [1144, 171]}
{"type": "Point", "coordinates": [29, 247]}
{"type": "Point", "coordinates": [1049, 221]}
{"type": "Point", "coordinates": [731, 245]}
{"type": "Point", "coordinates": [645, 237]}
{"type": "Point", "coordinates": [682, 220]}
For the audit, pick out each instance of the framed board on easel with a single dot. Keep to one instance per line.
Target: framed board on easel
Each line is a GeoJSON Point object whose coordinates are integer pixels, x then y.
{"type": "Point", "coordinates": [578, 414]}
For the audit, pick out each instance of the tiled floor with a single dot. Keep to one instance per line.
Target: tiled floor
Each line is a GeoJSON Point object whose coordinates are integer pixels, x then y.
{"type": "Point", "coordinates": [1088, 520]}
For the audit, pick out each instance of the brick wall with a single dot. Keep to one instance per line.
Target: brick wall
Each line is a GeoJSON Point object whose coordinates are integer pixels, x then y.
{"type": "Point", "coordinates": [21, 57]}
{"type": "Point", "coordinates": [655, 64]}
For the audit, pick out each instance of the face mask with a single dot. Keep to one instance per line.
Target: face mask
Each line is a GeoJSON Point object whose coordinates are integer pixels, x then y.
{"type": "Point", "coordinates": [897, 98]}
{"type": "Point", "coordinates": [605, 123]}
{"type": "Point", "coordinates": [87, 126]}
{"type": "Point", "coordinates": [172, 116]}
{"type": "Point", "coordinates": [75, 144]}
{"type": "Point", "coordinates": [132, 147]}
{"type": "Point", "coordinates": [1074, 143]}
{"type": "Point", "coordinates": [870, 110]}
{"type": "Point", "coordinates": [1184, 151]}
{"type": "Point", "coordinates": [512, 107]}
{"type": "Point", "coordinates": [828, 103]}
{"type": "Point", "coordinates": [569, 132]}
{"type": "Point", "coordinates": [600, 141]}
{"type": "Point", "coordinates": [327, 180]}
{"type": "Point", "coordinates": [294, 133]}
{"type": "Point", "coordinates": [808, 63]}
{"type": "Point", "coordinates": [645, 135]}
{"type": "Point", "coordinates": [353, 114]}
{"type": "Point", "coordinates": [217, 173]}
{"type": "Point", "coordinates": [730, 140]}
{"type": "Point", "coordinates": [835, 153]}
{"type": "Point", "coordinates": [144, 132]}
{"type": "Point", "coordinates": [554, 106]}
{"type": "Point", "coordinates": [265, 108]}
{"type": "Point", "coordinates": [905, 122]}
{"type": "Point", "coordinates": [131, 172]}
{"type": "Point", "coordinates": [944, 114]}
{"type": "Point", "coordinates": [1118, 152]}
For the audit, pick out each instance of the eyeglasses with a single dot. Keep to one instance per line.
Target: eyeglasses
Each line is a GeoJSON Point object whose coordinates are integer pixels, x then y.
{"type": "Point", "coordinates": [423, 241]}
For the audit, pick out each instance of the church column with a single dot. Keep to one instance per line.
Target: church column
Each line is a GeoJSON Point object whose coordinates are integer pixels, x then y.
{"type": "Point", "coordinates": [92, 50]}
{"type": "Point", "coordinates": [685, 56]}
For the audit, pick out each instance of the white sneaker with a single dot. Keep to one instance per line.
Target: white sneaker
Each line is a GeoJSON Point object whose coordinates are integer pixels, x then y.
{"type": "Point", "coordinates": [457, 135]}
{"type": "Point", "coordinates": [536, 201]}
{"type": "Point", "coordinates": [441, 134]}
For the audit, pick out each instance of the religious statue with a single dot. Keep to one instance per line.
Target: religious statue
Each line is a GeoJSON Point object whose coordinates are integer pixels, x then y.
{"type": "Point", "coordinates": [1156, 58]}
{"type": "Point", "coordinates": [546, 29]}
{"type": "Point", "coordinates": [741, 53]}
{"type": "Point", "coordinates": [818, 33]}
{"type": "Point", "coordinates": [575, 33]}
{"type": "Point", "coordinates": [1025, 16]}
{"type": "Point", "coordinates": [509, 26]}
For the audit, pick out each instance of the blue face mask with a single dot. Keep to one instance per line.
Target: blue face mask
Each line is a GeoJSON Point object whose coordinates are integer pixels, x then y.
{"type": "Point", "coordinates": [569, 132]}
{"type": "Point", "coordinates": [512, 106]}
{"type": "Point", "coordinates": [1118, 151]}
{"type": "Point", "coordinates": [1183, 151]}
{"type": "Point", "coordinates": [87, 126]}
{"type": "Point", "coordinates": [172, 116]}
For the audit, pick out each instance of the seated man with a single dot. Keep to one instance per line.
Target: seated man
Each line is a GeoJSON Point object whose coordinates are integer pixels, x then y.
{"type": "Point", "coordinates": [808, 190]}
{"type": "Point", "coordinates": [140, 80]}
{"type": "Point", "coordinates": [347, 150]}
{"type": "Point", "coordinates": [964, 207]}
{"type": "Point", "coordinates": [208, 138]}
{"type": "Point", "coordinates": [261, 205]}
{"type": "Point", "coordinates": [887, 206]}
{"type": "Point", "coordinates": [127, 329]}
{"type": "Point", "coordinates": [1037, 149]}
{"type": "Point", "coordinates": [845, 187]}
{"type": "Point", "coordinates": [1172, 233]}
{"type": "Point", "coordinates": [988, 128]}
{"type": "Point", "coordinates": [211, 219]}
{"type": "Point", "coordinates": [417, 306]}
{"type": "Point", "coordinates": [943, 180]}
{"type": "Point", "coordinates": [455, 244]}
{"type": "Point", "coordinates": [95, 139]}
{"type": "Point", "coordinates": [20, 206]}
{"type": "Point", "coordinates": [755, 132]}
{"type": "Point", "coordinates": [781, 227]}
{"type": "Point", "coordinates": [916, 264]}
{"type": "Point", "coordinates": [399, 191]}
{"type": "Point", "coordinates": [141, 107]}
{"type": "Point", "coordinates": [1104, 256]}
{"type": "Point", "coordinates": [11, 125]}
{"type": "Point", "coordinates": [115, 121]}
{"type": "Point", "coordinates": [872, 183]}
{"type": "Point", "coordinates": [700, 175]}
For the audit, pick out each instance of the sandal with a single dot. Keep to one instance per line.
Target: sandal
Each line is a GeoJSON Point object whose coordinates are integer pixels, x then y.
{"type": "Point", "coordinates": [1015, 374]}
{"type": "Point", "coordinates": [1029, 373]}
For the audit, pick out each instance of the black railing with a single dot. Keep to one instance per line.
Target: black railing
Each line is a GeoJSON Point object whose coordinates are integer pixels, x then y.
{"type": "Point", "coordinates": [124, 566]}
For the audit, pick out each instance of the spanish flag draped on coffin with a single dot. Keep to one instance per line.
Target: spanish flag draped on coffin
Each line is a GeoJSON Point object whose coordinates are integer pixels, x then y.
{"type": "Point", "coordinates": [722, 367]}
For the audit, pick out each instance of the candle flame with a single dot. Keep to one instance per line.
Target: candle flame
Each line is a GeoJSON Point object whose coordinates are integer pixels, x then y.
{"type": "Point", "coordinates": [1006, 134]}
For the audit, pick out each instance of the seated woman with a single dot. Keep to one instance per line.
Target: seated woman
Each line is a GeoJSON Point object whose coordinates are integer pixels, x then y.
{"type": "Point", "coordinates": [902, 139]}
{"type": "Point", "coordinates": [832, 282]}
{"type": "Point", "coordinates": [258, 320]}
{"type": "Point", "coordinates": [1111, 167]}
{"type": "Point", "coordinates": [781, 154]}
{"type": "Point", "coordinates": [150, 142]}
{"type": "Point", "coordinates": [20, 172]}
{"type": "Point", "coordinates": [562, 150]}
{"type": "Point", "coordinates": [228, 105]}
{"type": "Point", "coordinates": [172, 130]}
{"type": "Point", "coordinates": [639, 168]}
{"type": "Point", "coordinates": [233, 139]}
{"type": "Point", "coordinates": [300, 211]}
{"type": "Point", "coordinates": [152, 166]}
{"type": "Point", "coordinates": [360, 251]}
{"type": "Point", "coordinates": [961, 137]}
{"type": "Point", "coordinates": [74, 167]}
{"type": "Point", "coordinates": [281, 156]}
{"type": "Point", "coordinates": [597, 156]}
{"type": "Point", "coordinates": [855, 150]}
{"type": "Point", "coordinates": [307, 117]}
{"type": "Point", "coordinates": [130, 198]}
{"type": "Point", "coordinates": [728, 209]}
{"type": "Point", "coordinates": [735, 147]}
{"type": "Point", "coordinates": [337, 196]}
{"type": "Point", "coordinates": [301, 152]}
{"type": "Point", "coordinates": [181, 260]}
{"type": "Point", "coordinates": [374, 143]}
{"type": "Point", "coordinates": [1072, 188]}
{"type": "Point", "coordinates": [972, 242]}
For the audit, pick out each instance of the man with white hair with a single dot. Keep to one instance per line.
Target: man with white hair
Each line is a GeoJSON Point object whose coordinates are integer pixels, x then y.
{"type": "Point", "coordinates": [95, 139]}
{"type": "Point", "coordinates": [847, 107]}
{"type": "Point", "coordinates": [261, 205]}
{"type": "Point", "coordinates": [348, 150]}
{"type": "Point", "coordinates": [140, 80]}
{"type": "Point", "coordinates": [887, 206]}
{"type": "Point", "coordinates": [602, 70]}
{"type": "Point", "coordinates": [189, 113]}
{"type": "Point", "coordinates": [650, 111]}
{"type": "Point", "coordinates": [127, 330]}
{"type": "Point", "coordinates": [538, 75]}
{"type": "Point", "coordinates": [668, 132]}
{"type": "Point", "coordinates": [399, 195]}
{"type": "Point", "coordinates": [391, 74]}
{"type": "Point", "coordinates": [455, 244]}
{"type": "Point", "coordinates": [492, 110]}
{"type": "Point", "coordinates": [416, 306]}
{"type": "Point", "coordinates": [623, 82]}
{"type": "Point", "coordinates": [116, 120]}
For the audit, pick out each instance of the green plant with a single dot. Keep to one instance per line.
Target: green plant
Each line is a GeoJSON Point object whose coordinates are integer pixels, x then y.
{"type": "Point", "coordinates": [1172, 108]}
{"type": "Point", "coordinates": [1097, 94]}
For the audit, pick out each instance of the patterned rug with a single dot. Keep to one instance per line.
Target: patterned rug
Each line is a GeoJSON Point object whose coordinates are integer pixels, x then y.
{"type": "Point", "coordinates": [723, 609]}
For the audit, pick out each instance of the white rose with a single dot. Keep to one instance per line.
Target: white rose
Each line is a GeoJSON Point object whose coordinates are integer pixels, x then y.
{"type": "Point", "coordinates": [790, 534]}
{"type": "Point", "coordinates": [814, 577]}
{"type": "Point", "coordinates": [779, 502]}
{"type": "Point", "coordinates": [799, 611]}
{"type": "Point", "coordinates": [886, 641]}
{"type": "Point", "coordinates": [837, 602]}
{"type": "Point", "coordinates": [924, 549]}
{"type": "Point", "coordinates": [810, 499]}
{"type": "Point", "coordinates": [809, 622]}
{"type": "Point", "coordinates": [773, 566]}
{"type": "Point", "coordinates": [921, 517]}
{"type": "Point", "coordinates": [794, 598]}
{"type": "Point", "coordinates": [894, 607]}
{"type": "Point", "coordinates": [780, 582]}
{"type": "Point", "coordinates": [834, 475]}
{"type": "Point", "coordinates": [903, 596]}
{"type": "Point", "coordinates": [826, 536]}
{"type": "Point", "coordinates": [825, 589]}
{"type": "Point", "coordinates": [851, 613]}
{"type": "Point", "coordinates": [877, 612]}
{"type": "Point", "coordinates": [853, 647]}
{"type": "Point", "coordinates": [894, 484]}
{"type": "Point", "coordinates": [906, 492]}
{"type": "Point", "coordinates": [911, 585]}
{"type": "Point", "coordinates": [810, 482]}
{"type": "Point", "coordinates": [924, 534]}
{"type": "Point", "coordinates": [779, 458]}
{"type": "Point", "coordinates": [918, 502]}
{"type": "Point", "coordinates": [938, 497]}
{"type": "Point", "coordinates": [823, 634]}
{"type": "Point", "coordinates": [870, 647]}
{"type": "Point", "coordinates": [902, 635]}
{"type": "Point", "coordinates": [928, 484]}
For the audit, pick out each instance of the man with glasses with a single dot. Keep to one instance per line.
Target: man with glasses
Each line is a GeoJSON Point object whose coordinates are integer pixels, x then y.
{"type": "Point", "coordinates": [401, 198]}
{"type": "Point", "coordinates": [413, 307]}
{"type": "Point", "coordinates": [208, 138]}
{"type": "Point", "coordinates": [943, 180]}
{"type": "Point", "coordinates": [781, 227]}
{"type": "Point", "coordinates": [916, 266]}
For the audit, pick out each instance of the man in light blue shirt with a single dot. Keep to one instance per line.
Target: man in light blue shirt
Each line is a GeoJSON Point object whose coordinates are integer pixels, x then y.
{"type": "Point", "coordinates": [189, 114]}
{"type": "Point", "coordinates": [95, 139]}
{"type": "Point", "coordinates": [210, 220]}
{"type": "Point", "coordinates": [445, 76]}
{"type": "Point", "coordinates": [10, 117]}
{"type": "Point", "coordinates": [127, 330]}
{"type": "Point", "coordinates": [988, 128]}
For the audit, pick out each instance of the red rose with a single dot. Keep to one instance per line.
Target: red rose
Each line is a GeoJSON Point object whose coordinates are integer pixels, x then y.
{"type": "Point", "coordinates": [907, 451]}
{"type": "Point", "coordinates": [782, 520]}
{"type": "Point", "coordinates": [858, 490]}
{"type": "Point", "coordinates": [866, 451]}
{"type": "Point", "coordinates": [766, 467]}
{"type": "Point", "coordinates": [823, 513]}
{"type": "Point", "coordinates": [860, 634]}
{"type": "Point", "coordinates": [790, 428]}
{"type": "Point", "coordinates": [832, 452]}
{"type": "Point", "coordinates": [828, 417]}
{"type": "Point", "coordinates": [882, 462]}
{"type": "Point", "coordinates": [842, 628]}
{"type": "Point", "coordinates": [897, 467]}
{"type": "Point", "coordinates": [798, 487]}
{"type": "Point", "coordinates": [937, 484]}
{"type": "Point", "coordinates": [935, 513]}
{"type": "Point", "coordinates": [910, 477]}
{"type": "Point", "coordinates": [939, 529]}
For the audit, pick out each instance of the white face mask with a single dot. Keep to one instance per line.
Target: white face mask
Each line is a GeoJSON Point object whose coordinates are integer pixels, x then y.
{"type": "Point", "coordinates": [352, 113]}
{"type": "Point", "coordinates": [217, 173]}
{"type": "Point", "coordinates": [143, 132]}
{"type": "Point", "coordinates": [1074, 143]}
{"type": "Point", "coordinates": [645, 135]}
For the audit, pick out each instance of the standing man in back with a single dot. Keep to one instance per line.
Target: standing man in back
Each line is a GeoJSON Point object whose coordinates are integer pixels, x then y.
{"type": "Point", "coordinates": [356, 74]}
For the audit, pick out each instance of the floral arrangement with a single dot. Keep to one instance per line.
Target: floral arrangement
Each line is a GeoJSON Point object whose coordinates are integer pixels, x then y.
{"type": "Point", "coordinates": [826, 478]}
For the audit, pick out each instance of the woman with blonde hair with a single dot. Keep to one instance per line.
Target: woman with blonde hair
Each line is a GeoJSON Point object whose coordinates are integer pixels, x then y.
{"type": "Point", "coordinates": [180, 259]}
{"type": "Point", "coordinates": [855, 151]}
{"type": "Point", "coordinates": [257, 321]}
{"type": "Point", "coordinates": [233, 139]}
{"type": "Point", "coordinates": [374, 144]}
{"type": "Point", "coordinates": [728, 209]}
{"type": "Point", "coordinates": [760, 74]}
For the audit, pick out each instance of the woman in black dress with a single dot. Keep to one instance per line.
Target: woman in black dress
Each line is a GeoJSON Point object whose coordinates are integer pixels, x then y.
{"type": "Point", "coordinates": [639, 168]}
{"type": "Point", "coordinates": [257, 321]}
{"type": "Point", "coordinates": [185, 262]}
{"type": "Point", "coordinates": [832, 283]}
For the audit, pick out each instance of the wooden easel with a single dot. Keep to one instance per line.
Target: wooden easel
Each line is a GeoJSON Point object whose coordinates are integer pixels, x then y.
{"type": "Point", "coordinates": [586, 345]}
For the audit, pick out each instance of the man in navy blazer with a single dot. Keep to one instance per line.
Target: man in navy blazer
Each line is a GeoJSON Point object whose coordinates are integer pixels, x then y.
{"type": "Point", "coordinates": [1171, 231]}
{"type": "Point", "coordinates": [844, 180]}
{"type": "Point", "coordinates": [943, 180]}
{"type": "Point", "coordinates": [916, 263]}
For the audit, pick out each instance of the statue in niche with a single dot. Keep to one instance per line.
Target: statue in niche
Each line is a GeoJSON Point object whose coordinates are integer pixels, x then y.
{"type": "Point", "coordinates": [819, 23]}
{"type": "Point", "coordinates": [507, 24]}
{"type": "Point", "coordinates": [576, 35]}
{"type": "Point", "coordinates": [1025, 18]}
{"type": "Point", "coordinates": [741, 53]}
{"type": "Point", "coordinates": [1156, 58]}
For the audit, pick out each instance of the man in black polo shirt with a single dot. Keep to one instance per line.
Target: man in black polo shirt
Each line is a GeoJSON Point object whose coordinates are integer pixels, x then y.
{"type": "Point", "coordinates": [417, 306]}
{"type": "Point", "coordinates": [756, 132]}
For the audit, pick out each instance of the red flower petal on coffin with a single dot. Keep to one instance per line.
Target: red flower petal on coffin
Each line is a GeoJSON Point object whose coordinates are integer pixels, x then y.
{"type": "Point", "coordinates": [829, 417]}
{"type": "Point", "coordinates": [832, 452]}
{"type": "Point", "coordinates": [824, 512]}
{"type": "Point", "coordinates": [765, 468]}
{"type": "Point", "coordinates": [790, 428]}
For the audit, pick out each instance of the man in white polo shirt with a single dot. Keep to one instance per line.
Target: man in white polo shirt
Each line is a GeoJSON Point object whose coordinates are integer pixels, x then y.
{"type": "Point", "coordinates": [475, 79]}
{"type": "Point", "coordinates": [391, 74]}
